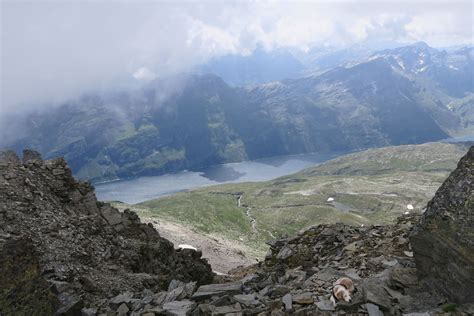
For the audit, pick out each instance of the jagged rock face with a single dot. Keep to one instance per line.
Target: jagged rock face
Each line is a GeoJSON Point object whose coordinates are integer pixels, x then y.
{"type": "Point", "coordinates": [56, 238]}
{"type": "Point", "coordinates": [443, 240]}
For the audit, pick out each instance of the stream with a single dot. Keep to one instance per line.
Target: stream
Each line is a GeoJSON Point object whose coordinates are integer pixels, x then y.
{"type": "Point", "coordinates": [252, 220]}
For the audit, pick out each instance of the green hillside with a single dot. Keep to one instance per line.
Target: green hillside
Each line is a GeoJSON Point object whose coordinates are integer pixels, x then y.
{"type": "Point", "coordinates": [369, 187]}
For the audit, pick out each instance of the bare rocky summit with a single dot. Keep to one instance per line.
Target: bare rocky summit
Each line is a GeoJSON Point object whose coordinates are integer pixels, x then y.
{"type": "Point", "coordinates": [64, 253]}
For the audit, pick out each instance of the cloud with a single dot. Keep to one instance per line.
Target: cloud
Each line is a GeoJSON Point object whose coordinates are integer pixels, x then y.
{"type": "Point", "coordinates": [54, 50]}
{"type": "Point", "coordinates": [144, 74]}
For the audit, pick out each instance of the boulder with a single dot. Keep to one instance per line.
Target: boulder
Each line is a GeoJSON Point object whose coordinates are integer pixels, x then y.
{"type": "Point", "coordinates": [303, 298]}
{"type": "Point", "coordinates": [325, 306]}
{"type": "Point", "coordinates": [246, 299]}
{"type": "Point", "coordinates": [287, 301]}
{"type": "Point", "coordinates": [443, 239]}
{"type": "Point", "coordinates": [373, 310]}
{"type": "Point", "coordinates": [88, 312]}
{"type": "Point", "coordinates": [118, 300]}
{"type": "Point", "coordinates": [183, 307]}
{"type": "Point", "coordinates": [206, 291]}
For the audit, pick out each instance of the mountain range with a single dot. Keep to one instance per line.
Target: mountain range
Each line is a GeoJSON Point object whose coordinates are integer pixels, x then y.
{"type": "Point", "coordinates": [405, 95]}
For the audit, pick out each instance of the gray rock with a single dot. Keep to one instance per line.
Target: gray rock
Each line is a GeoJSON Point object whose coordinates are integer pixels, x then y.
{"type": "Point", "coordinates": [443, 240]}
{"type": "Point", "coordinates": [112, 216]}
{"type": "Point", "coordinates": [183, 307]}
{"type": "Point", "coordinates": [247, 299]}
{"type": "Point", "coordinates": [206, 291]}
{"type": "Point", "coordinates": [352, 274]}
{"type": "Point", "coordinates": [88, 312]}
{"type": "Point", "coordinates": [58, 171]}
{"type": "Point", "coordinates": [352, 246]}
{"type": "Point", "coordinates": [287, 301]}
{"type": "Point", "coordinates": [120, 299]}
{"type": "Point", "coordinates": [284, 253]}
{"type": "Point", "coordinates": [327, 274]}
{"type": "Point", "coordinates": [60, 286]}
{"type": "Point", "coordinates": [176, 293]}
{"type": "Point", "coordinates": [206, 309]}
{"type": "Point", "coordinates": [403, 277]}
{"type": "Point", "coordinates": [159, 298]}
{"type": "Point", "coordinates": [390, 263]}
{"type": "Point", "coordinates": [122, 310]}
{"type": "Point", "coordinates": [189, 289]}
{"type": "Point", "coordinates": [226, 310]}
{"type": "Point", "coordinates": [71, 304]}
{"type": "Point", "coordinates": [279, 291]}
{"type": "Point", "coordinates": [295, 276]}
{"type": "Point", "coordinates": [303, 298]}
{"type": "Point", "coordinates": [325, 306]}
{"type": "Point", "coordinates": [174, 284]}
{"type": "Point", "coordinates": [373, 310]}
{"type": "Point", "coordinates": [221, 300]}
{"type": "Point", "coordinates": [377, 298]}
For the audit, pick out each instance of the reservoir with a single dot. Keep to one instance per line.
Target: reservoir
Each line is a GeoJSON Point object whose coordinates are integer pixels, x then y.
{"type": "Point", "coordinates": [145, 188]}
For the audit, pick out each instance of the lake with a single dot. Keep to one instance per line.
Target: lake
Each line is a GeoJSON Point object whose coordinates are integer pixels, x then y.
{"type": "Point", "coordinates": [145, 188]}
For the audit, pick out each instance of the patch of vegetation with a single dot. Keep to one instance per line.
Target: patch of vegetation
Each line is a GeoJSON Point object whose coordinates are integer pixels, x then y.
{"type": "Point", "coordinates": [449, 308]}
{"type": "Point", "coordinates": [23, 290]}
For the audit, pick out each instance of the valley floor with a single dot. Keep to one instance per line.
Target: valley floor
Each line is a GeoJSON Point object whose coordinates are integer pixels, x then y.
{"type": "Point", "coordinates": [231, 223]}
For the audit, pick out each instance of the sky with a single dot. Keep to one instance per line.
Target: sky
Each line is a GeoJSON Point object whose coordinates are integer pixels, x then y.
{"type": "Point", "coordinates": [58, 49]}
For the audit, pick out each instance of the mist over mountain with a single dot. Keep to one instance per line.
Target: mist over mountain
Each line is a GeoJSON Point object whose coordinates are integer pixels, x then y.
{"type": "Point", "coordinates": [323, 58]}
{"type": "Point", "coordinates": [258, 67]}
{"type": "Point", "coordinates": [406, 95]}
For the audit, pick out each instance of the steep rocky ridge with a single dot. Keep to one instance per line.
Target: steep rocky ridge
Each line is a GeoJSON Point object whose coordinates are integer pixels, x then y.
{"type": "Point", "coordinates": [443, 240]}
{"type": "Point", "coordinates": [61, 249]}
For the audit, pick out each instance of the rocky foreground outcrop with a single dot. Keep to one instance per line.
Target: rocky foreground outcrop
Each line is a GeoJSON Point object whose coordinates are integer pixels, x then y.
{"type": "Point", "coordinates": [61, 250]}
{"type": "Point", "coordinates": [443, 240]}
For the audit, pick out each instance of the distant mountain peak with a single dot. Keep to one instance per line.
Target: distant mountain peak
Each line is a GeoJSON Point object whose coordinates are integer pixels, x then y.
{"type": "Point", "coordinates": [421, 44]}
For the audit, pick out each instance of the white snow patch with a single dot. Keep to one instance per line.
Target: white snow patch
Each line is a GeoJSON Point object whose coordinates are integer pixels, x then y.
{"type": "Point", "coordinates": [400, 62]}
{"type": "Point", "coordinates": [330, 199]}
{"type": "Point", "coordinates": [374, 87]}
{"type": "Point", "coordinates": [185, 246]}
{"type": "Point", "coordinates": [421, 69]}
{"type": "Point", "coordinates": [301, 192]}
{"type": "Point", "coordinates": [409, 206]}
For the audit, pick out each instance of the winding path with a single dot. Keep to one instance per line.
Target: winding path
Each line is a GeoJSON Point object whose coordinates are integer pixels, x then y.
{"type": "Point", "coordinates": [252, 220]}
